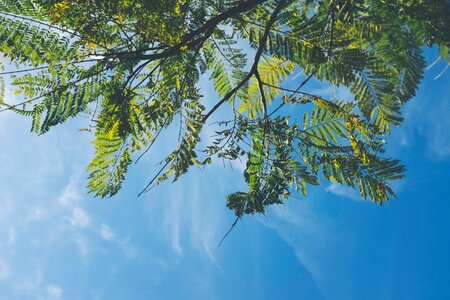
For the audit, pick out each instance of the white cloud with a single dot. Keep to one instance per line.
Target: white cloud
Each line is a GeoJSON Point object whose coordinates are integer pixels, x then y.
{"type": "Point", "coordinates": [239, 164]}
{"type": "Point", "coordinates": [11, 235]}
{"type": "Point", "coordinates": [172, 223]}
{"type": "Point", "coordinates": [6, 206]}
{"type": "Point", "coordinates": [29, 285]}
{"type": "Point", "coordinates": [79, 218]}
{"type": "Point", "coordinates": [128, 248]}
{"type": "Point", "coordinates": [54, 292]}
{"type": "Point", "coordinates": [192, 212]}
{"type": "Point", "coordinates": [310, 234]}
{"type": "Point", "coordinates": [70, 195]}
{"type": "Point", "coordinates": [83, 247]}
{"type": "Point", "coordinates": [426, 115]}
{"type": "Point", "coordinates": [37, 214]}
{"type": "Point", "coordinates": [328, 91]}
{"type": "Point", "coordinates": [106, 232]}
{"type": "Point", "coordinates": [125, 245]}
{"type": "Point", "coordinates": [204, 219]}
{"type": "Point", "coordinates": [36, 287]}
{"type": "Point", "coordinates": [4, 270]}
{"type": "Point", "coordinates": [33, 168]}
{"type": "Point", "coordinates": [344, 191]}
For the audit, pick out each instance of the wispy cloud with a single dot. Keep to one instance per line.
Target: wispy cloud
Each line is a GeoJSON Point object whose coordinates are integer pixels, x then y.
{"type": "Point", "coordinates": [344, 191]}
{"type": "Point", "coordinates": [310, 234]}
{"type": "Point", "coordinates": [4, 270]}
{"type": "Point", "coordinates": [106, 232]}
{"type": "Point", "coordinates": [189, 213]}
{"type": "Point", "coordinates": [70, 195]}
{"type": "Point", "coordinates": [34, 286]}
{"type": "Point", "coordinates": [426, 115]}
{"type": "Point", "coordinates": [29, 285]}
{"type": "Point", "coordinates": [328, 91]}
{"type": "Point", "coordinates": [83, 246]}
{"type": "Point", "coordinates": [125, 244]}
{"type": "Point", "coordinates": [172, 222]}
{"type": "Point", "coordinates": [70, 200]}
{"type": "Point", "coordinates": [54, 292]}
{"type": "Point", "coordinates": [11, 235]}
{"type": "Point", "coordinates": [79, 218]}
{"type": "Point", "coordinates": [301, 229]}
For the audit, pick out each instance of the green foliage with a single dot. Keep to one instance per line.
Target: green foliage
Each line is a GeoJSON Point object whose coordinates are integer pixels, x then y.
{"type": "Point", "coordinates": [133, 68]}
{"type": "Point", "coordinates": [272, 72]}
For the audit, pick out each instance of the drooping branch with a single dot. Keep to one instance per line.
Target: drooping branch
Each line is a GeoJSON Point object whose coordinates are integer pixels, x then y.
{"type": "Point", "coordinates": [261, 90]}
{"type": "Point", "coordinates": [58, 89]}
{"type": "Point", "coordinates": [195, 37]}
{"type": "Point", "coordinates": [258, 55]}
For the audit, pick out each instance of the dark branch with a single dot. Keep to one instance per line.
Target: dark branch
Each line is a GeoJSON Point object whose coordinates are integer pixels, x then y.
{"type": "Point", "coordinates": [254, 67]}
{"type": "Point", "coordinates": [192, 39]}
{"type": "Point", "coordinates": [297, 90]}
{"type": "Point", "coordinates": [228, 232]}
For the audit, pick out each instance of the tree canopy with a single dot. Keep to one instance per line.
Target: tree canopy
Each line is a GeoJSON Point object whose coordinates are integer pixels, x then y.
{"type": "Point", "coordinates": [134, 68]}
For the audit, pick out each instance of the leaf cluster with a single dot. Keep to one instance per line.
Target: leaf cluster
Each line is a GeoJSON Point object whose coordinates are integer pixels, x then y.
{"type": "Point", "coordinates": [133, 69]}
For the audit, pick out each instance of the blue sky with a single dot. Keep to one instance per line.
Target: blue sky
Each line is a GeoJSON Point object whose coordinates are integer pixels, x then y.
{"type": "Point", "coordinates": [56, 242]}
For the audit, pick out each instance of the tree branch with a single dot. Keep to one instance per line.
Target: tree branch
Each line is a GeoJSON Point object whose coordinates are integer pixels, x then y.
{"type": "Point", "coordinates": [292, 91]}
{"type": "Point", "coordinates": [194, 37]}
{"type": "Point", "coordinates": [229, 231]}
{"type": "Point", "coordinates": [254, 68]}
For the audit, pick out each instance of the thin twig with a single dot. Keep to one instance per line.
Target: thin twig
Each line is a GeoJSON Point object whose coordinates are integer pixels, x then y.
{"type": "Point", "coordinates": [254, 68]}
{"type": "Point", "coordinates": [292, 91]}
{"type": "Point", "coordinates": [229, 231]}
